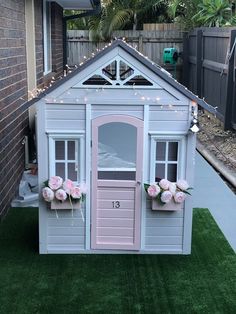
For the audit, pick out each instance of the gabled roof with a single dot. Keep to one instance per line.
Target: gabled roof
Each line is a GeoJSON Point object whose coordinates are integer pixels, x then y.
{"type": "Point", "coordinates": [158, 70]}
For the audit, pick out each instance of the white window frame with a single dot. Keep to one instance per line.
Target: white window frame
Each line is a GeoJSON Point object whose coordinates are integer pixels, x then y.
{"type": "Point", "coordinates": [181, 157]}
{"type": "Point", "coordinates": [68, 137]}
{"type": "Point", "coordinates": [47, 42]}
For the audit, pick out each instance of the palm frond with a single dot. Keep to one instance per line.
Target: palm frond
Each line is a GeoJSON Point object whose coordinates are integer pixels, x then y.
{"type": "Point", "coordinates": [120, 19]}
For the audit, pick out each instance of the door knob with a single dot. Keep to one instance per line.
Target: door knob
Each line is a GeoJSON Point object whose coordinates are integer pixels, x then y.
{"type": "Point", "coordinates": [138, 182]}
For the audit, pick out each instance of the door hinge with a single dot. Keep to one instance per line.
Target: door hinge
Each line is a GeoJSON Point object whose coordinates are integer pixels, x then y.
{"type": "Point", "coordinates": [91, 143]}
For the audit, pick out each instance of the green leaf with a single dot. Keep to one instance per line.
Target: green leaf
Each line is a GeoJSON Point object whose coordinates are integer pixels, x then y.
{"type": "Point", "coordinates": [45, 183]}
{"type": "Point", "coordinates": [186, 192]}
{"type": "Point", "coordinates": [158, 198]}
{"type": "Point", "coordinates": [146, 186]}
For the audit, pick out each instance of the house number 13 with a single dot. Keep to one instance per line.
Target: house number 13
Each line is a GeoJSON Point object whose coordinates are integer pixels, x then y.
{"type": "Point", "coordinates": [116, 204]}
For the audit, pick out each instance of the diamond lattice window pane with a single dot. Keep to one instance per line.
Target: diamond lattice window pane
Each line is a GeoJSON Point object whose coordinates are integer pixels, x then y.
{"type": "Point", "coordinates": [125, 70]}
{"type": "Point", "coordinates": [110, 71]}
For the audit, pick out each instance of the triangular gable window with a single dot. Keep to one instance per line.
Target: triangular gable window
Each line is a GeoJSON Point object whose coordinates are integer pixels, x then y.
{"type": "Point", "coordinates": [96, 80]}
{"type": "Point", "coordinates": [139, 80]}
{"type": "Point", "coordinates": [118, 73]}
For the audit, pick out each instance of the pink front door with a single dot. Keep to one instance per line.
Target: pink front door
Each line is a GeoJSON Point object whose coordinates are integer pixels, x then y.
{"type": "Point", "coordinates": [117, 150]}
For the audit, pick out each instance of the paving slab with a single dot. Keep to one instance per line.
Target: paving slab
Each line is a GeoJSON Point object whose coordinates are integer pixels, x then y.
{"type": "Point", "coordinates": [210, 191]}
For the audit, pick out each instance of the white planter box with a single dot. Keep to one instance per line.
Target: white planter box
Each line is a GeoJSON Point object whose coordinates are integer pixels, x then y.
{"type": "Point", "coordinates": [171, 206]}
{"type": "Point", "coordinates": [64, 205]}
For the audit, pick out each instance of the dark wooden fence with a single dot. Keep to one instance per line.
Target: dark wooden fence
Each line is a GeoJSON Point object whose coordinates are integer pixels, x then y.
{"type": "Point", "coordinates": [209, 70]}
{"type": "Point", "coordinates": [150, 43]}
{"type": "Point", "coordinates": [209, 61]}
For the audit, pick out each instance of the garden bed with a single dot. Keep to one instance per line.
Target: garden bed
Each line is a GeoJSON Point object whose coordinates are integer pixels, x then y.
{"type": "Point", "coordinates": [221, 144]}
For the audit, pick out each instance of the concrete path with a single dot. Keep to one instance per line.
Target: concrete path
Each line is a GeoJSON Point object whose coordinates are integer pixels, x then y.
{"type": "Point", "coordinates": [211, 192]}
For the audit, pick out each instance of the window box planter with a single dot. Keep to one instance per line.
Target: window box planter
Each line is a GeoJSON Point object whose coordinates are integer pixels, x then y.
{"type": "Point", "coordinates": [171, 206]}
{"type": "Point", "coordinates": [64, 205]}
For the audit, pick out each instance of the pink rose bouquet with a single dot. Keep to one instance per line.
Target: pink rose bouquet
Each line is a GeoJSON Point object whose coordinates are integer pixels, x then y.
{"type": "Point", "coordinates": [55, 188]}
{"type": "Point", "coordinates": [166, 191]}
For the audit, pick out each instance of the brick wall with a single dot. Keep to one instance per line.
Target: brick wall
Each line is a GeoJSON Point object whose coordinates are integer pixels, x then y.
{"type": "Point", "coordinates": [13, 93]}
{"type": "Point", "coordinates": [38, 7]}
{"type": "Point", "coordinates": [57, 38]}
{"type": "Point", "coordinates": [13, 86]}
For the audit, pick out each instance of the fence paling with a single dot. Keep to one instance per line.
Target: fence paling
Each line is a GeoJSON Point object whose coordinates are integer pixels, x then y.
{"type": "Point", "coordinates": [209, 73]}
{"type": "Point", "coordinates": [150, 43]}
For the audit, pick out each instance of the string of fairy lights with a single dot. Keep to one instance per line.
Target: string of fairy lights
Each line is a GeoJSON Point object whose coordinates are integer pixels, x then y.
{"type": "Point", "coordinates": [137, 93]}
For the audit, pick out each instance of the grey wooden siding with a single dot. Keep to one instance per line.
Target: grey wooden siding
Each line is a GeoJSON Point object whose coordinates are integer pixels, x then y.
{"type": "Point", "coordinates": [103, 96]}
{"type": "Point", "coordinates": [65, 117]}
{"type": "Point", "coordinates": [169, 118]}
{"type": "Point", "coordinates": [135, 111]}
{"type": "Point", "coordinates": [66, 230]}
{"type": "Point", "coordinates": [163, 230]}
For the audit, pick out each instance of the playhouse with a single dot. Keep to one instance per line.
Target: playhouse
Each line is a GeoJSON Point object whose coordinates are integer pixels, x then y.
{"type": "Point", "coordinates": [115, 123]}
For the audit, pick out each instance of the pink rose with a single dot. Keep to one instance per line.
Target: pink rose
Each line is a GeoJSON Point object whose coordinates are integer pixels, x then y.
{"type": "Point", "coordinates": [76, 192]}
{"type": "Point", "coordinates": [172, 188]}
{"type": "Point", "coordinates": [61, 195]}
{"type": "Point", "coordinates": [68, 186]}
{"type": "Point", "coordinates": [166, 197]}
{"type": "Point", "coordinates": [55, 182]}
{"type": "Point", "coordinates": [83, 188]}
{"type": "Point", "coordinates": [153, 190]}
{"type": "Point", "coordinates": [164, 184]}
{"type": "Point", "coordinates": [182, 185]}
{"type": "Point", "coordinates": [48, 194]}
{"type": "Point", "coordinates": [180, 197]}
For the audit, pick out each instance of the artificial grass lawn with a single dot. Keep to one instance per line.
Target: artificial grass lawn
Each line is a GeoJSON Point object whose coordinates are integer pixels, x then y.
{"type": "Point", "coordinates": [204, 282]}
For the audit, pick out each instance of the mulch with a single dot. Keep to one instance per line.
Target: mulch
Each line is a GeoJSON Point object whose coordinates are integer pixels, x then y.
{"type": "Point", "coordinates": [216, 140]}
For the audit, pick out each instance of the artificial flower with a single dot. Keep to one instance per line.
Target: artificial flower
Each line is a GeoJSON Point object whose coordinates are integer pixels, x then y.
{"type": "Point", "coordinates": [182, 185]}
{"type": "Point", "coordinates": [83, 188]}
{"type": "Point", "coordinates": [172, 188]}
{"type": "Point", "coordinates": [48, 194]}
{"type": "Point", "coordinates": [61, 195]}
{"type": "Point", "coordinates": [55, 182]}
{"type": "Point", "coordinates": [179, 197]}
{"type": "Point", "coordinates": [164, 184]}
{"type": "Point", "coordinates": [166, 197]}
{"type": "Point", "coordinates": [68, 186]}
{"type": "Point", "coordinates": [153, 190]}
{"type": "Point", "coordinates": [76, 192]}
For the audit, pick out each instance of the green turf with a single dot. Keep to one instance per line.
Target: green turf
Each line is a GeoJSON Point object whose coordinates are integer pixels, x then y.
{"type": "Point", "coordinates": [204, 282]}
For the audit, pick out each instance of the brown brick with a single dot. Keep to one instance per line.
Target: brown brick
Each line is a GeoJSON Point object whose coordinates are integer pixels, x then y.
{"type": "Point", "coordinates": [12, 103]}
{"type": "Point", "coordinates": [11, 89]}
{"type": "Point", "coordinates": [13, 86]}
